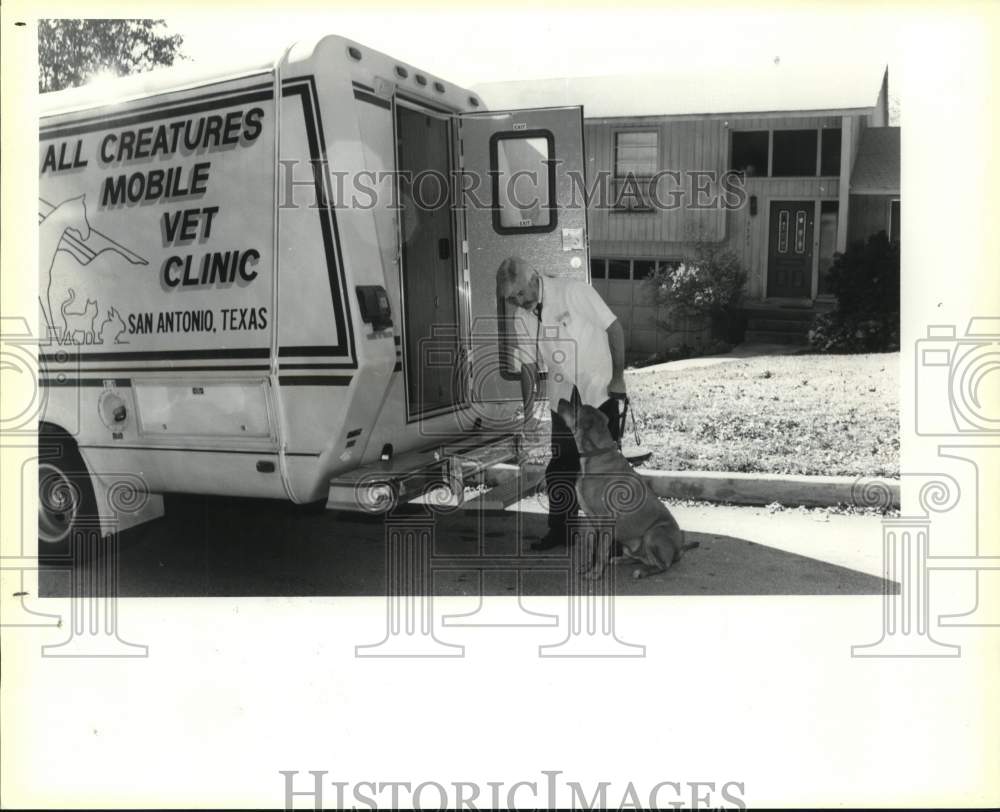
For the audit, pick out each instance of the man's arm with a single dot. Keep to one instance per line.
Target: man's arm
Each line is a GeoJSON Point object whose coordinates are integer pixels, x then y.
{"type": "Point", "coordinates": [616, 342]}
{"type": "Point", "coordinates": [529, 385]}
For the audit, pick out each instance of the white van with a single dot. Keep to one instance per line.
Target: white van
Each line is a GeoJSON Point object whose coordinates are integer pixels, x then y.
{"type": "Point", "coordinates": [280, 281]}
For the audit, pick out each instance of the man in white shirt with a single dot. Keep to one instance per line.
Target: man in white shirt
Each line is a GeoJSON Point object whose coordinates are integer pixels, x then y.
{"type": "Point", "coordinates": [582, 345]}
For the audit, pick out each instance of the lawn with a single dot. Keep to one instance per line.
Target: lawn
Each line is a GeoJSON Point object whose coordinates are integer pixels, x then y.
{"type": "Point", "coordinates": [797, 414]}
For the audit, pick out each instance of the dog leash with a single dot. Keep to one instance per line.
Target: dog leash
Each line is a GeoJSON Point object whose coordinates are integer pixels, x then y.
{"type": "Point", "coordinates": [635, 427]}
{"type": "Point", "coordinates": [624, 413]}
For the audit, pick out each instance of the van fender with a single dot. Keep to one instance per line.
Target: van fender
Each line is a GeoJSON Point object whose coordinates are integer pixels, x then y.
{"type": "Point", "coordinates": [121, 500]}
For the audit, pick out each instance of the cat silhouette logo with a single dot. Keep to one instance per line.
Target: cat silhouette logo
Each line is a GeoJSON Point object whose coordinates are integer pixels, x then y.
{"type": "Point", "coordinates": [73, 318]}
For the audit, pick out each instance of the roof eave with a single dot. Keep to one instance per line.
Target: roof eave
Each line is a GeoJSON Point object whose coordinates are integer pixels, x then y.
{"type": "Point", "coordinates": [839, 111]}
{"type": "Point", "coordinates": [874, 191]}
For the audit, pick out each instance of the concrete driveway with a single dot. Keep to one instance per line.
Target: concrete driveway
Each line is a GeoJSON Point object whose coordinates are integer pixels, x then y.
{"type": "Point", "coordinates": [236, 547]}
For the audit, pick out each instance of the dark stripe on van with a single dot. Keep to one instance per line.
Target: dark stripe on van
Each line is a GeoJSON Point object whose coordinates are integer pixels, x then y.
{"type": "Point", "coordinates": [314, 380]}
{"type": "Point", "coordinates": [184, 368]}
{"type": "Point", "coordinates": [309, 351]}
{"type": "Point", "coordinates": [123, 383]}
{"type": "Point", "coordinates": [361, 86]}
{"type": "Point", "coordinates": [124, 447]}
{"type": "Point", "coordinates": [160, 355]}
{"type": "Point", "coordinates": [172, 109]}
{"type": "Point", "coordinates": [360, 95]}
{"type": "Point", "coordinates": [305, 89]}
{"type": "Point", "coordinates": [354, 433]}
{"type": "Point", "coordinates": [313, 366]}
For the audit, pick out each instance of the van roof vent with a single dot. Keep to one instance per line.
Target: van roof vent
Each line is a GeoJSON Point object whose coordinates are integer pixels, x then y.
{"type": "Point", "coordinates": [439, 87]}
{"type": "Point", "coordinates": [402, 72]}
{"type": "Point", "coordinates": [421, 79]}
{"type": "Point", "coordinates": [354, 52]}
{"type": "Point", "coordinates": [473, 101]}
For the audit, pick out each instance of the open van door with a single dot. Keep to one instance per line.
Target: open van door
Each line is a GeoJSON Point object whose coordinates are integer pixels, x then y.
{"type": "Point", "coordinates": [524, 182]}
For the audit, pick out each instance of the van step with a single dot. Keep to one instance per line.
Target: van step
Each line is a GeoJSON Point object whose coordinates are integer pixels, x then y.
{"type": "Point", "coordinates": [377, 486]}
{"type": "Point", "coordinates": [506, 484]}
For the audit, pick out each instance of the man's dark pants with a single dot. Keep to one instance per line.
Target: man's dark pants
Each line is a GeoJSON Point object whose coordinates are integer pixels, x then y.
{"type": "Point", "coordinates": [564, 468]}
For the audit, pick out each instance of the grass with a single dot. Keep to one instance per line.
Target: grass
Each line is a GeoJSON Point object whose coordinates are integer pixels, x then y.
{"type": "Point", "coordinates": [797, 414]}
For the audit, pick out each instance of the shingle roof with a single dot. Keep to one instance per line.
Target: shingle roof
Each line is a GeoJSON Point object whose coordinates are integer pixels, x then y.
{"type": "Point", "coordinates": [876, 169]}
{"type": "Point", "coordinates": [754, 89]}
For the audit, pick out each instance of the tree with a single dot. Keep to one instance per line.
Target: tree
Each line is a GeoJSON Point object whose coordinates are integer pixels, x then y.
{"type": "Point", "coordinates": [71, 52]}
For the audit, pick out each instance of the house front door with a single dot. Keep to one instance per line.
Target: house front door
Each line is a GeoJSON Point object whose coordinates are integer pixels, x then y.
{"type": "Point", "coordinates": [790, 249]}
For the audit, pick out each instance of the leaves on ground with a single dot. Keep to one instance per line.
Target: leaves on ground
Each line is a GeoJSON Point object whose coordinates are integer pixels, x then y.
{"type": "Point", "coordinates": [801, 414]}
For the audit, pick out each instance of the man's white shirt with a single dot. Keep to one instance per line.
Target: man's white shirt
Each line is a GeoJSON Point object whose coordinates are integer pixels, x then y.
{"type": "Point", "coordinates": [572, 340]}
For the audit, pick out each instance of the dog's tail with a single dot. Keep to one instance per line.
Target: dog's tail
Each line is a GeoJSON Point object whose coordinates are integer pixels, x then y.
{"type": "Point", "coordinates": [688, 545]}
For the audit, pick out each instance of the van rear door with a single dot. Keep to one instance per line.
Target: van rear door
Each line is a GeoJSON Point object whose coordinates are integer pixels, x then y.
{"type": "Point", "coordinates": [524, 195]}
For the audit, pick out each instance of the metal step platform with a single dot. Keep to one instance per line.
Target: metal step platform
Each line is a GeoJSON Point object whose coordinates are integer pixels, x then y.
{"type": "Point", "coordinates": [437, 473]}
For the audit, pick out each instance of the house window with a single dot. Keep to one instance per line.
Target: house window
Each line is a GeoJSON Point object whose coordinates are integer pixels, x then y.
{"type": "Point", "coordinates": [829, 158]}
{"type": "Point", "coordinates": [638, 270]}
{"type": "Point", "coordinates": [794, 153]}
{"type": "Point", "coordinates": [618, 269]}
{"type": "Point", "coordinates": [642, 269]}
{"type": "Point", "coordinates": [749, 153]}
{"type": "Point", "coordinates": [894, 221]}
{"type": "Point", "coordinates": [636, 162]}
{"type": "Point", "coordinates": [523, 175]}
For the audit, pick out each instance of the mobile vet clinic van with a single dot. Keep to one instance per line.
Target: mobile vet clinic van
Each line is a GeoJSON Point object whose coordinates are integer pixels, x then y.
{"type": "Point", "coordinates": [280, 281]}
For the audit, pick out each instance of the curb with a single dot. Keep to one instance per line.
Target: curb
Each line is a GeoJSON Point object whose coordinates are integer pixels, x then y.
{"type": "Point", "coordinates": [789, 490]}
{"type": "Point", "coordinates": [763, 489]}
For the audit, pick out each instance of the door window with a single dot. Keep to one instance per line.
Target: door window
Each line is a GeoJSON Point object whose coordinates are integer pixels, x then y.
{"type": "Point", "coordinates": [523, 172]}
{"type": "Point", "coordinates": [783, 231]}
{"type": "Point", "coordinates": [800, 232]}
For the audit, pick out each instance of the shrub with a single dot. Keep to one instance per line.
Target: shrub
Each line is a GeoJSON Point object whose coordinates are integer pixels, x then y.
{"type": "Point", "coordinates": [865, 280]}
{"type": "Point", "coordinates": [708, 283]}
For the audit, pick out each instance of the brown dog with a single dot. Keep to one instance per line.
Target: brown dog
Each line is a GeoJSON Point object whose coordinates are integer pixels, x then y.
{"type": "Point", "coordinates": [610, 489]}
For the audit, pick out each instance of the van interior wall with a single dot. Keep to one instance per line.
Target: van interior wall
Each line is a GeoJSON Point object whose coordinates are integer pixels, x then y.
{"type": "Point", "coordinates": [428, 271]}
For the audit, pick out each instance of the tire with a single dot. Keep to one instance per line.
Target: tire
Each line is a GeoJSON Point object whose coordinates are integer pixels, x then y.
{"type": "Point", "coordinates": [317, 508]}
{"type": "Point", "coordinates": [65, 496]}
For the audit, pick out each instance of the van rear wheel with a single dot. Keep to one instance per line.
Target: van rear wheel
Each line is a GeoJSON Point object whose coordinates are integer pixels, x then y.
{"type": "Point", "coordinates": [65, 496]}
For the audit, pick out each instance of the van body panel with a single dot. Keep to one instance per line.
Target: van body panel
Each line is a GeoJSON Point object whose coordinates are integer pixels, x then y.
{"type": "Point", "coordinates": [202, 245]}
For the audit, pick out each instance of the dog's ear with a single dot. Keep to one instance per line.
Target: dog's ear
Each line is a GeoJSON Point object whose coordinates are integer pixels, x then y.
{"type": "Point", "coordinates": [566, 411]}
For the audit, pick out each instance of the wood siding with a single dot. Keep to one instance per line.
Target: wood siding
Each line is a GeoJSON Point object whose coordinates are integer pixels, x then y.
{"type": "Point", "coordinates": [869, 214]}
{"type": "Point", "coordinates": [685, 147]}
{"type": "Point", "coordinates": [696, 145]}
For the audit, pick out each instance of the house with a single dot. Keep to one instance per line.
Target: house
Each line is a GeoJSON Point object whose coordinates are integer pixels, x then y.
{"type": "Point", "coordinates": [783, 165]}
